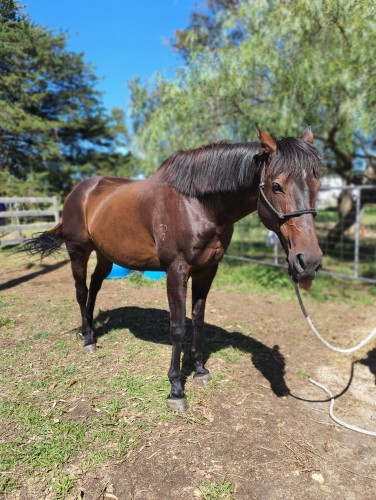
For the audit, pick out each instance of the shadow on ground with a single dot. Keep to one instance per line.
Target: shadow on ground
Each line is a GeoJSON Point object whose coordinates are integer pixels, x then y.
{"type": "Point", "coordinates": [46, 268]}
{"type": "Point", "coordinates": [152, 325]}
{"type": "Point", "coordinates": [370, 361]}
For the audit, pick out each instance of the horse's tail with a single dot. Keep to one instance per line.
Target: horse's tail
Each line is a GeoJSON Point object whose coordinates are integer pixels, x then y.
{"type": "Point", "coordinates": [46, 243]}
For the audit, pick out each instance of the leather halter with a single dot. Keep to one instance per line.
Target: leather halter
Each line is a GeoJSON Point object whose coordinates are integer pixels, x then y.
{"type": "Point", "coordinates": [281, 216]}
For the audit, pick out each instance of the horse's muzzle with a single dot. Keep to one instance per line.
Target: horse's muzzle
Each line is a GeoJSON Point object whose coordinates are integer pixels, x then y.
{"type": "Point", "coordinates": [303, 267]}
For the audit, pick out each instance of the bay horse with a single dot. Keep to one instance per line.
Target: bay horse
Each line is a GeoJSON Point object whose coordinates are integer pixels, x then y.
{"type": "Point", "coordinates": [181, 219]}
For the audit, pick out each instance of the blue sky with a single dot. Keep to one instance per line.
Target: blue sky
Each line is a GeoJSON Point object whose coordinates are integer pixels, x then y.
{"type": "Point", "coordinates": [121, 38]}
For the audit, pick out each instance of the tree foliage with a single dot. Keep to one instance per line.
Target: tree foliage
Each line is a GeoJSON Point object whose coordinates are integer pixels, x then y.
{"type": "Point", "coordinates": [53, 128]}
{"type": "Point", "coordinates": [284, 64]}
{"type": "Point", "coordinates": [205, 28]}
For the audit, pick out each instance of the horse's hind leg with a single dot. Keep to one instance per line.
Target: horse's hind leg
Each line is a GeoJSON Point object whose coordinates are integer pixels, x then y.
{"type": "Point", "coordinates": [79, 255]}
{"type": "Point", "coordinates": [201, 284]}
{"type": "Point", "coordinates": [101, 271]}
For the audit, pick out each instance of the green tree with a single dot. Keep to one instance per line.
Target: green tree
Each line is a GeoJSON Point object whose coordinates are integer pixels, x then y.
{"type": "Point", "coordinates": [53, 127]}
{"type": "Point", "coordinates": [205, 28]}
{"type": "Point", "coordinates": [283, 64]}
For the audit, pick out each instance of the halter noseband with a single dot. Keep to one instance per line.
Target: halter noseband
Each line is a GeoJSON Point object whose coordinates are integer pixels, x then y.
{"type": "Point", "coordinates": [281, 216]}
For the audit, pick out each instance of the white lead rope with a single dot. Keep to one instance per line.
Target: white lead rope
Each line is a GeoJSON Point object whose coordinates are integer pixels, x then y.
{"type": "Point", "coordinates": [325, 342]}
{"type": "Point", "coordinates": [336, 419]}
{"type": "Point", "coordinates": [336, 349]}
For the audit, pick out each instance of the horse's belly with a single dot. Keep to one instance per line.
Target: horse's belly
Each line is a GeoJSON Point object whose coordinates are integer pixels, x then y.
{"type": "Point", "coordinates": [123, 253]}
{"type": "Point", "coordinates": [126, 243]}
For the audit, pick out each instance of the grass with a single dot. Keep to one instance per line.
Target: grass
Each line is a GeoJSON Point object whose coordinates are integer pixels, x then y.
{"type": "Point", "coordinates": [41, 445]}
{"type": "Point", "coordinates": [369, 216]}
{"type": "Point", "coordinates": [139, 279]}
{"type": "Point", "coordinates": [44, 434]}
{"type": "Point", "coordinates": [220, 490]}
{"type": "Point", "coordinates": [249, 277]}
{"type": "Point", "coordinates": [229, 354]}
{"type": "Point", "coordinates": [39, 336]}
{"type": "Point", "coordinates": [245, 276]}
{"type": "Point", "coordinates": [302, 373]}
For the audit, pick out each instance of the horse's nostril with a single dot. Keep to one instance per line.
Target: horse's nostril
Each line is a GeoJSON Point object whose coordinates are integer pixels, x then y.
{"type": "Point", "coordinates": [301, 260]}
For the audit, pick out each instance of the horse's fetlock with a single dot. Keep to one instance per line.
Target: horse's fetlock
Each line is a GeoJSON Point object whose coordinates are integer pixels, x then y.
{"type": "Point", "coordinates": [173, 375]}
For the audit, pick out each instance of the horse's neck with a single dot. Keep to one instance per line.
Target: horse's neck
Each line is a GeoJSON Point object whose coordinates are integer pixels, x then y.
{"type": "Point", "coordinates": [228, 208]}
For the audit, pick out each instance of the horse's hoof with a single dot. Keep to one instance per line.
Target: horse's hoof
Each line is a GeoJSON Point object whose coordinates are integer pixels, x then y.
{"type": "Point", "coordinates": [90, 348]}
{"type": "Point", "coordinates": [178, 404]}
{"type": "Point", "coordinates": [202, 380]}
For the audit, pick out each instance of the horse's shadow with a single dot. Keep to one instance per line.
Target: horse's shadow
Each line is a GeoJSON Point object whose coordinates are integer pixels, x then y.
{"type": "Point", "coordinates": [152, 325]}
{"type": "Point", "coordinates": [370, 361]}
{"type": "Point", "coordinates": [42, 269]}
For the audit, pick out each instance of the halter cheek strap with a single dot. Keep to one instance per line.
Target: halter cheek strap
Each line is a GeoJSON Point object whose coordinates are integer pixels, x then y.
{"type": "Point", "coordinates": [281, 216]}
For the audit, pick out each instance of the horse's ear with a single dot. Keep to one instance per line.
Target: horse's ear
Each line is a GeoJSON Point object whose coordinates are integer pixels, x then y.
{"type": "Point", "coordinates": [307, 135]}
{"type": "Point", "coordinates": [268, 144]}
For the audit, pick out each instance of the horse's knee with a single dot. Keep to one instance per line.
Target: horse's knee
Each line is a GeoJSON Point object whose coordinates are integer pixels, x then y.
{"type": "Point", "coordinates": [177, 332]}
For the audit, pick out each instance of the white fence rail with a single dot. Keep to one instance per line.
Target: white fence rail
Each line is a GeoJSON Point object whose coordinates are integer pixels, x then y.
{"type": "Point", "coordinates": [26, 214]}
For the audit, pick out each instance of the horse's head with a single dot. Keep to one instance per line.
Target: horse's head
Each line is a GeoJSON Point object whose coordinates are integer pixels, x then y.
{"type": "Point", "coordinates": [290, 171]}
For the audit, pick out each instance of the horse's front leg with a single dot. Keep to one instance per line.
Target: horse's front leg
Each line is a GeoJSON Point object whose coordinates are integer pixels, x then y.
{"type": "Point", "coordinates": [177, 277]}
{"type": "Point", "coordinates": [201, 284]}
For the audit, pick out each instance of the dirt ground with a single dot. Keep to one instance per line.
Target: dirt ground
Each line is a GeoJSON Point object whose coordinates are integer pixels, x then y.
{"type": "Point", "coordinates": [269, 433]}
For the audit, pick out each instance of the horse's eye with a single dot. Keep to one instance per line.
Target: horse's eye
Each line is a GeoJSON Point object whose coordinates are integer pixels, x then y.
{"type": "Point", "coordinates": [277, 188]}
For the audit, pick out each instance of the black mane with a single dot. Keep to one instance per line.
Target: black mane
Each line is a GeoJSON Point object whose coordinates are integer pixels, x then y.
{"type": "Point", "coordinates": [225, 167]}
{"type": "Point", "coordinates": [295, 155]}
